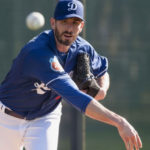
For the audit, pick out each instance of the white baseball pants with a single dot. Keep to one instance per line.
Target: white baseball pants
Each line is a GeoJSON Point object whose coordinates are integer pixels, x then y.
{"type": "Point", "coordinates": [38, 134]}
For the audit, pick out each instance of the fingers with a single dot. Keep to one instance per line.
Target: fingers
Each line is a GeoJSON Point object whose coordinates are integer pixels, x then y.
{"type": "Point", "coordinates": [135, 143]}
{"type": "Point", "coordinates": [132, 142]}
{"type": "Point", "coordinates": [126, 143]}
{"type": "Point", "coordinates": [131, 145]}
{"type": "Point", "coordinates": [139, 141]}
{"type": "Point", "coordinates": [130, 136]}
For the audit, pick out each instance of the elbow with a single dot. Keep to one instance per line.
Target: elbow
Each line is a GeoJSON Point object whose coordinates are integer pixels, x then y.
{"type": "Point", "coordinates": [101, 95]}
{"type": "Point", "coordinates": [104, 94]}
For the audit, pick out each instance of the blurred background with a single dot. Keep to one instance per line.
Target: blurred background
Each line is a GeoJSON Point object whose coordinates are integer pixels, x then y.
{"type": "Point", "coordinates": [119, 30]}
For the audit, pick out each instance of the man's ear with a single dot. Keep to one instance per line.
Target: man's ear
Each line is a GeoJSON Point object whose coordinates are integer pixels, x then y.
{"type": "Point", "coordinates": [82, 25]}
{"type": "Point", "coordinates": [52, 23]}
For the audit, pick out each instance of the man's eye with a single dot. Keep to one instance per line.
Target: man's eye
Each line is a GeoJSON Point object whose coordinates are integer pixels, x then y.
{"type": "Point", "coordinates": [76, 23]}
{"type": "Point", "coordinates": [64, 22]}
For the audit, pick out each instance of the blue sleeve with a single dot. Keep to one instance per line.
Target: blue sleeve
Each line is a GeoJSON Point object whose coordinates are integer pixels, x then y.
{"type": "Point", "coordinates": [46, 68]}
{"type": "Point", "coordinates": [67, 89]}
{"type": "Point", "coordinates": [99, 64]}
{"type": "Point", "coordinates": [43, 66]}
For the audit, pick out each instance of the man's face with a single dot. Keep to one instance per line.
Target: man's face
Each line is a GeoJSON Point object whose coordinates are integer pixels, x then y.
{"type": "Point", "coordinates": [67, 30]}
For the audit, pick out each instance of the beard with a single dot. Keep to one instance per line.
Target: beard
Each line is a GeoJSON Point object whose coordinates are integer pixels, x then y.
{"type": "Point", "coordinates": [59, 38]}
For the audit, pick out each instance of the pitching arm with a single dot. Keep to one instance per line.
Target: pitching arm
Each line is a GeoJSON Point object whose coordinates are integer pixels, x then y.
{"type": "Point", "coordinates": [128, 134]}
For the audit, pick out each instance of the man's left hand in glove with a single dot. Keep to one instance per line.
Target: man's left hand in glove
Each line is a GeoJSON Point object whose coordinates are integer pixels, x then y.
{"type": "Point", "coordinates": [86, 81]}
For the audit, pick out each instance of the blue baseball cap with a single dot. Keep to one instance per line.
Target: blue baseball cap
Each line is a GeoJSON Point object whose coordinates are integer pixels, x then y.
{"type": "Point", "coordinates": [68, 9]}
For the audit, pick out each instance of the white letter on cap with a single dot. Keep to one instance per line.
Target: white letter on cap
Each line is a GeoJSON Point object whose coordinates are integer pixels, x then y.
{"type": "Point", "coordinates": [72, 6]}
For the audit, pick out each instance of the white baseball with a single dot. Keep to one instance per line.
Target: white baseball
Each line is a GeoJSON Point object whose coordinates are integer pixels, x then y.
{"type": "Point", "coordinates": [35, 21]}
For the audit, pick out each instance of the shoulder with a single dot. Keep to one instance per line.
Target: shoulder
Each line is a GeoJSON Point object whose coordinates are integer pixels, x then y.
{"type": "Point", "coordinates": [83, 45]}
{"type": "Point", "coordinates": [82, 42]}
{"type": "Point", "coordinates": [38, 46]}
{"type": "Point", "coordinates": [41, 40]}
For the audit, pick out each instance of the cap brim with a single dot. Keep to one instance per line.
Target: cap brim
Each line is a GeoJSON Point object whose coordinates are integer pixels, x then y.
{"type": "Point", "coordinates": [69, 16]}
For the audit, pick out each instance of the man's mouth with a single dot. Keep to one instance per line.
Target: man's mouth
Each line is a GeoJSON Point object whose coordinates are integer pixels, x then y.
{"type": "Point", "coordinates": [68, 35]}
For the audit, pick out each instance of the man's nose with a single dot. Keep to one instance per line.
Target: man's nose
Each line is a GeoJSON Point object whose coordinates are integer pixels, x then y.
{"type": "Point", "coordinates": [69, 27]}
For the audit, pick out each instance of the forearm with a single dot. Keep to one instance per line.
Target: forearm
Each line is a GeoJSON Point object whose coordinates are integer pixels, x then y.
{"type": "Point", "coordinates": [98, 112]}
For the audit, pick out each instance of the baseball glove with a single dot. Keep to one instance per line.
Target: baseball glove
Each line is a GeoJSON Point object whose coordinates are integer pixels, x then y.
{"type": "Point", "coordinates": [83, 77]}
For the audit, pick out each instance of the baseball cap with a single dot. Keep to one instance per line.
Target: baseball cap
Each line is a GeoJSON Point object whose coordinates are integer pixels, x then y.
{"type": "Point", "coordinates": [68, 9]}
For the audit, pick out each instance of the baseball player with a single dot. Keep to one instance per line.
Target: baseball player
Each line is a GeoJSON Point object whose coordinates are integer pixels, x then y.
{"type": "Point", "coordinates": [40, 76]}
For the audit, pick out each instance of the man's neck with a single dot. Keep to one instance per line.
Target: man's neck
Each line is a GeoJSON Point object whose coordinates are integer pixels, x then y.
{"type": "Point", "coordinates": [61, 47]}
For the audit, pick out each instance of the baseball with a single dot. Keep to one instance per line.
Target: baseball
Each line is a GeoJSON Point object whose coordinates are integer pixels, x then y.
{"type": "Point", "coordinates": [35, 21]}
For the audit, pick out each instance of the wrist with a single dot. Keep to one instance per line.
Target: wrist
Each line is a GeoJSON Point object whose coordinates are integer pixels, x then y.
{"type": "Point", "coordinates": [120, 123]}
